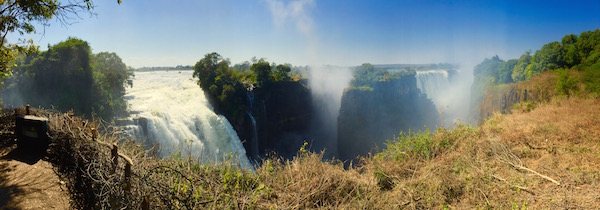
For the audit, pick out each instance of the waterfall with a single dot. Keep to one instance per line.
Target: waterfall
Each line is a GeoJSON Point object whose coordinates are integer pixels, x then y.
{"type": "Point", "coordinates": [254, 143]}
{"type": "Point", "coordinates": [433, 83]}
{"type": "Point", "coordinates": [169, 109]}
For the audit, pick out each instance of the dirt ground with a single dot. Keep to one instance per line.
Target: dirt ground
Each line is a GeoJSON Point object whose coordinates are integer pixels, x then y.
{"type": "Point", "coordinates": [27, 181]}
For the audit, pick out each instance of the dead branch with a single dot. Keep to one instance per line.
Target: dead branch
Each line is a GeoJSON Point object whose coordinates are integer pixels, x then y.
{"type": "Point", "coordinates": [513, 186]}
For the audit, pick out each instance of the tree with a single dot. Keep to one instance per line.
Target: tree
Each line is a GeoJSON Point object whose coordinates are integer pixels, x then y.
{"type": "Point", "coordinates": [206, 70]}
{"type": "Point", "coordinates": [547, 58]}
{"type": "Point", "coordinates": [19, 16]}
{"type": "Point", "coordinates": [110, 75]}
{"type": "Point", "coordinates": [63, 77]}
{"type": "Point", "coordinates": [282, 72]}
{"type": "Point", "coordinates": [262, 69]}
{"type": "Point", "coordinates": [488, 69]}
{"type": "Point", "coordinates": [364, 75]}
{"type": "Point", "coordinates": [505, 70]}
{"type": "Point", "coordinates": [519, 71]}
{"type": "Point", "coordinates": [569, 49]}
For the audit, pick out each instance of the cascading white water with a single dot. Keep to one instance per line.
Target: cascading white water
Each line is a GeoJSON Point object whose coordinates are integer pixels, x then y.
{"type": "Point", "coordinates": [171, 110]}
{"type": "Point", "coordinates": [433, 83]}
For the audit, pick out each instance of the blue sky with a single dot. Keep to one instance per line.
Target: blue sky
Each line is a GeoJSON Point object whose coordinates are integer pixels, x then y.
{"type": "Point", "coordinates": [309, 32]}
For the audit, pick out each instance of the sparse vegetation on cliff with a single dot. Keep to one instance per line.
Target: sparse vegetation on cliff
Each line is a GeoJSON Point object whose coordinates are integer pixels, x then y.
{"type": "Point", "coordinates": [279, 103]}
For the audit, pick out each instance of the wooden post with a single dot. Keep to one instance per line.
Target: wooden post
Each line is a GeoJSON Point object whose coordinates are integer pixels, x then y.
{"type": "Point", "coordinates": [94, 134]}
{"type": "Point", "coordinates": [115, 157]}
{"type": "Point", "coordinates": [146, 203]}
{"type": "Point", "coordinates": [127, 176]}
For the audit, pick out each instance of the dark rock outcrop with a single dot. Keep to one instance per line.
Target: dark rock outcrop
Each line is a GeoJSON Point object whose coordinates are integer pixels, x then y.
{"type": "Point", "coordinates": [370, 116]}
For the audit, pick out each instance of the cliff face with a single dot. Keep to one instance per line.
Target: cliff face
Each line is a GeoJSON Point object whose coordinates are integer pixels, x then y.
{"type": "Point", "coordinates": [504, 98]}
{"type": "Point", "coordinates": [282, 112]}
{"type": "Point", "coordinates": [369, 116]}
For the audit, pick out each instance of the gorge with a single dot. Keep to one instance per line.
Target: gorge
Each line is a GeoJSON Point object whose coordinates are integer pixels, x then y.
{"type": "Point", "coordinates": [325, 110]}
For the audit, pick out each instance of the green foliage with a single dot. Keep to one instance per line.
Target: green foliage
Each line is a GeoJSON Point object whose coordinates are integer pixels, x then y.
{"type": "Point", "coordinates": [425, 144]}
{"type": "Point", "coordinates": [524, 106]}
{"type": "Point", "coordinates": [282, 73]}
{"type": "Point", "coordinates": [206, 69]}
{"type": "Point", "coordinates": [519, 71]}
{"type": "Point", "coordinates": [222, 84]}
{"type": "Point", "coordinates": [227, 86]}
{"type": "Point", "coordinates": [573, 52]}
{"type": "Point", "coordinates": [20, 16]}
{"type": "Point", "coordinates": [68, 76]}
{"type": "Point", "coordinates": [263, 72]}
{"type": "Point", "coordinates": [488, 68]}
{"type": "Point", "coordinates": [366, 74]}
{"type": "Point", "coordinates": [110, 75]}
{"type": "Point", "coordinates": [547, 58]}
{"type": "Point", "coordinates": [505, 70]}
{"type": "Point", "coordinates": [591, 78]}
{"type": "Point", "coordinates": [566, 83]}
{"type": "Point", "coordinates": [411, 144]}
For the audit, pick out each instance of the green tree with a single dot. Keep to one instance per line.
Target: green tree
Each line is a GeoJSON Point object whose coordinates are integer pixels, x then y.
{"type": "Point", "coordinates": [20, 15]}
{"type": "Point", "coordinates": [206, 70]}
{"type": "Point", "coordinates": [263, 72]}
{"type": "Point", "coordinates": [520, 70]}
{"type": "Point", "coordinates": [588, 45]}
{"type": "Point", "coordinates": [505, 70]}
{"type": "Point", "coordinates": [547, 58]}
{"type": "Point", "coordinates": [488, 69]}
{"type": "Point", "coordinates": [110, 76]}
{"type": "Point", "coordinates": [570, 51]}
{"type": "Point", "coordinates": [282, 73]}
{"type": "Point", "coordinates": [63, 76]}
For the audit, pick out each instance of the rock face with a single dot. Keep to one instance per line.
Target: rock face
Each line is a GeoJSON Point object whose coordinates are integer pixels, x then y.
{"type": "Point", "coordinates": [369, 116]}
{"type": "Point", "coordinates": [282, 116]}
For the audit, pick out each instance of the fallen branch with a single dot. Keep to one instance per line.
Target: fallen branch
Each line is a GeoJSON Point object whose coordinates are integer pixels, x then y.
{"type": "Point", "coordinates": [536, 173]}
{"type": "Point", "coordinates": [514, 186]}
{"type": "Point", "coordinates": [533, 147]}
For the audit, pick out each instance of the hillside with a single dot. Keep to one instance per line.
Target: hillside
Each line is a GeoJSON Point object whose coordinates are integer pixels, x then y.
{"type": "Point", "coordinates": [546, 158]}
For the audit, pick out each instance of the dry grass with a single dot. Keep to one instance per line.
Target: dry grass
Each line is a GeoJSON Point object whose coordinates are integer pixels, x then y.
{"type": "Point", "coordinates": [546, 158]}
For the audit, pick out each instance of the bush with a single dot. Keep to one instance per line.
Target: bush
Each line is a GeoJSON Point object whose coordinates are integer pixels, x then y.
{"type": "Point", "coordinates": [591, 79]}
{"type": "Point", "coordinates": [566, 83]}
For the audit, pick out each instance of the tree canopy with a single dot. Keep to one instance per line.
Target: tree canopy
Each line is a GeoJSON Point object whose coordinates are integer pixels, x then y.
{"type": "Point", "coordinates": [68, 76]}
{"type": "Point", "coordinates": [573, 52]}
{"type": "Point", "coordinates": [20, 15]}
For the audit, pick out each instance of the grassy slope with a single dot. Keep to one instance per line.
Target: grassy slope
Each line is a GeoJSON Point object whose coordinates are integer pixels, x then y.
{"type": "Point", "coordinates": [546, 158]}
{"type": "Point", "coordinates": [510, 161]}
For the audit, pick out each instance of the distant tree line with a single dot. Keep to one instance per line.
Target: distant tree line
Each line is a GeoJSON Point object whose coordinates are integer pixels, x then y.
{"type": "Point", "coordinates": [68, 76]}
{"type": "Point", "coordinates": [162, 68]}
{"type": "Point", "coordinates": [366, 74]}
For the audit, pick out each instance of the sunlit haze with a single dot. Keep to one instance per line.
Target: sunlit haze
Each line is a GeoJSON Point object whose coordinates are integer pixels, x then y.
{"type": "Point", "coordinates": [170, 33]}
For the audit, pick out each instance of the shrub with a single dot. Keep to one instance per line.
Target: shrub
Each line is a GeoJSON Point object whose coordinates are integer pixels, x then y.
{"type": "Point", "coordinates": [566, 83]}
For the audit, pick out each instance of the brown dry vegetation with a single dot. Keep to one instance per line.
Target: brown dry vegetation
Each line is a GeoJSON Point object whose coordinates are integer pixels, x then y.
{"type": "Point", "coordinates": [546, 158]}
{"type": "Point", "coordinates": [510, 161]}
{"type": "Point", "coordinates": [525, 95]}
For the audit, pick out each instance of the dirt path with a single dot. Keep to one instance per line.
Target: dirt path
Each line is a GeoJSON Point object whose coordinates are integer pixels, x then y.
{"type": "Point", "coordinates": [24, 186]}
{"type": "Point", "coordinates": [27, 181]}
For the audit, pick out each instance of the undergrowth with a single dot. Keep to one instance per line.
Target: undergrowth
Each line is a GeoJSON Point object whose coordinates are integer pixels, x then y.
{"type": "Point", "coordinates": [547, 157]}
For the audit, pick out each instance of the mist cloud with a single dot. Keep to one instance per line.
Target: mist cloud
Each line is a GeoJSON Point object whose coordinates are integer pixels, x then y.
{"type": "Point", "coordinates": [295, 10]}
